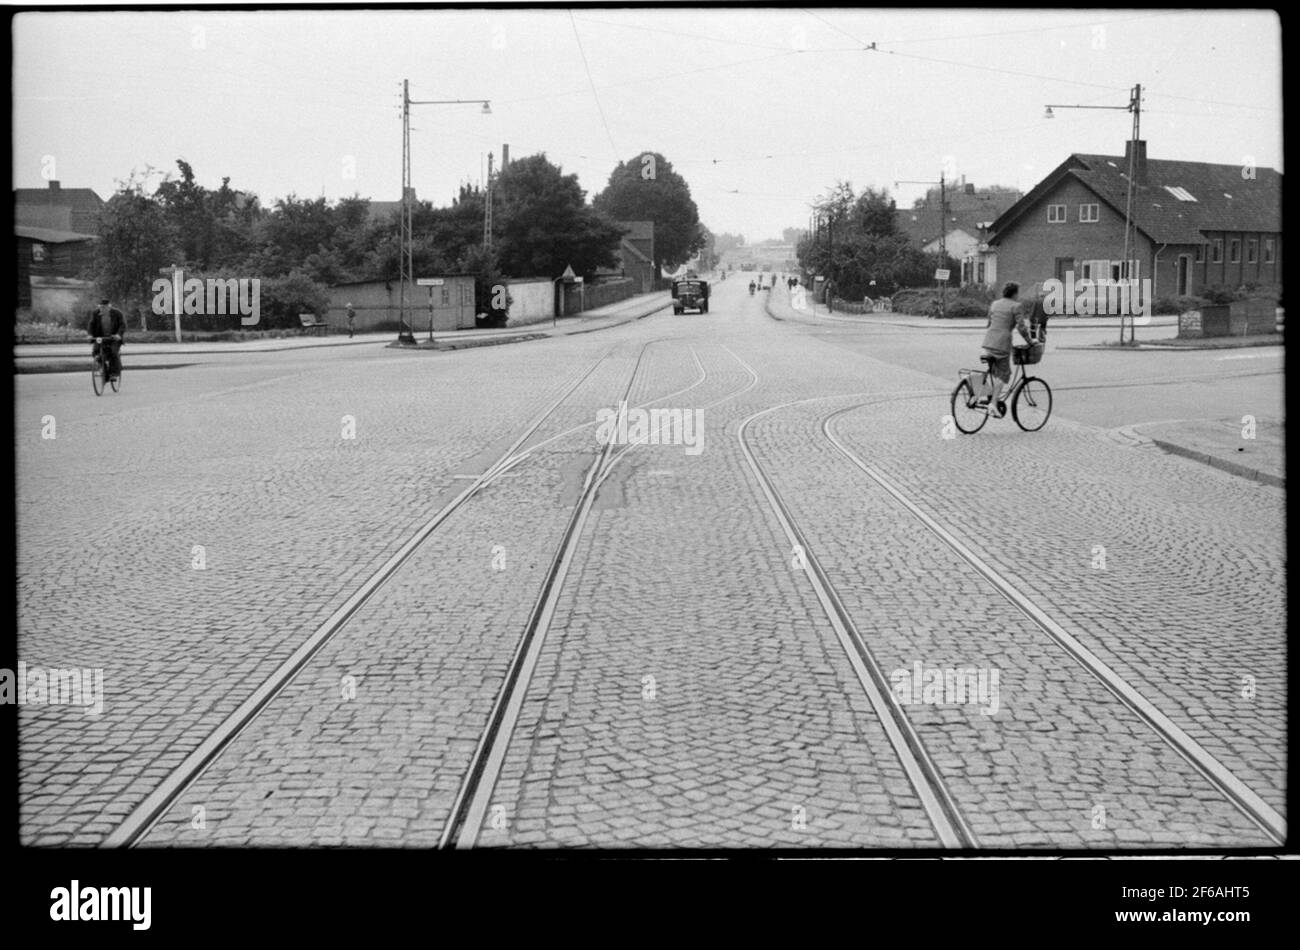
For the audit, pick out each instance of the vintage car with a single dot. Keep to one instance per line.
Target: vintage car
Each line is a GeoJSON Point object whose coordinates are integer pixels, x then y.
{"type": "Point", "coordinates": [690, 293]}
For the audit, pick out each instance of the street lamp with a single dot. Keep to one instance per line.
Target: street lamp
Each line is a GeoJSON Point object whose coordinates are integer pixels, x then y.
{"type": "Point", "coordinates": [406, 265]}
{"type": "Point", "coordinates": [1134, 106]}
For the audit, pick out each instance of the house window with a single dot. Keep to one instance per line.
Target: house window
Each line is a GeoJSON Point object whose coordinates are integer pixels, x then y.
{"type": "Point", "coordinates": [38, 253]}
{"type": "Point", "coordinates": [1089, 214]}
{"type": "Point", "coordinates": [1056, 214]}
{"type": "Point", "coordinates": [467, 295]}
{"type": "Point", "coordinates": [1218, 251]}
{"type": "Point", "coordinates": [1234, 251]}
{"type": "Point", "coordinates": [1268, 250]}
{"type": "Point", "coordinates": [1252, 251]}
{"type": "Point", "coordinates": [446, 295]}
{"type": "Point", "coordinates": [1200, 253]}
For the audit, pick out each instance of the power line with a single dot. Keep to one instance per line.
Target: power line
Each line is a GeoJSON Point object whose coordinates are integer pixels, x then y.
{"type": "Point", "coordinates": [595, 95]}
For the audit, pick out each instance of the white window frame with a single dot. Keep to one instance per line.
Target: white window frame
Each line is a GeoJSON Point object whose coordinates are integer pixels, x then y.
{"type": "Point", "coordinates": [1090, 219]}
{"type": "Point", "coordinates": [1268, 250]}
{"type": "Point", "coordinates": [1216, 255]}
{"type": "Point", "coordinates": [1057, 214]}
{"type": "Point", "coordinates": [1234, 250]}
{"type": "Point", "coordinates": [1252, 251]}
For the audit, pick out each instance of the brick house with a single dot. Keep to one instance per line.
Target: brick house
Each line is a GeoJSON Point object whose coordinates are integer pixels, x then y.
{"type": "Point", "coordinates": [1196, 224]}
{"type": "Point", "coordinates": [968, 213]}
{"type": "Point", "coordinates": [636, 256]}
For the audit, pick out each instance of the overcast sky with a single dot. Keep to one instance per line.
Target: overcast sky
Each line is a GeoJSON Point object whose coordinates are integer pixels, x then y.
{"type": "Point", "coordinates": [760, 110]}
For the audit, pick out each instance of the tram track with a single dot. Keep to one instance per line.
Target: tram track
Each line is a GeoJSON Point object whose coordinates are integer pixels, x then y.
{"type": "Point", "coordinates": [937, 799]}
{"type": "Point", "coordinates": [135, 827]}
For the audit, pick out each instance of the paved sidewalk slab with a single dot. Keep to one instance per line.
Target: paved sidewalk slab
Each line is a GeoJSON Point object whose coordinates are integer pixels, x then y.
{"type": "Point", "coordinates": [1220, 443]}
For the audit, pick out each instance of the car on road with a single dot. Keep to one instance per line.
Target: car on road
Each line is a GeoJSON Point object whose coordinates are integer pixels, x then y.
{"type": "Point", "coordinates": [690, 293]}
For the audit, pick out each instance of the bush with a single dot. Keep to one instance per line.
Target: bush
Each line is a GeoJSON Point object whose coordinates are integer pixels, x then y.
{"type": "Point", "coordinates": [1176, 305]}
{"type": "Point", "coordinates": [970, 302]}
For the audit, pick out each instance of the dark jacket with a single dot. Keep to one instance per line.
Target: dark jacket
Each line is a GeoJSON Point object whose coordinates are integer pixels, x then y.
{"type": "Point", "coordinates": [106, 324]}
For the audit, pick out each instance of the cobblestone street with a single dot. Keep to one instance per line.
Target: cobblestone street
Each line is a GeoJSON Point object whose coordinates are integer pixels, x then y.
{"type": "Point", "coordinates": [675, 678]}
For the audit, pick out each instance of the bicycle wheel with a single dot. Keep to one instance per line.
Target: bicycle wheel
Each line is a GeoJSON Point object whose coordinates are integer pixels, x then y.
{"type": "Point", "coordinates": [116, 382]}
{"type": "Point", "coordinates": [1032, 405]}
{"type": "Point", "coordinates": [97, 375]}
{"type": "Point", "coordinates": [965, 414]}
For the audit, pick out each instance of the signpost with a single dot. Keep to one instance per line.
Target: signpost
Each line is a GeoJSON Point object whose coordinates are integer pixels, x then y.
{"type": "Point", "coordinates": [175, 271]}
{"type": "Point", "coordinates": [941, 275]}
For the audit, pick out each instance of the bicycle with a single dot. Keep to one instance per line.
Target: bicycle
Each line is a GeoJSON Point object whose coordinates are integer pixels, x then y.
{"type": "Point", "coordinates": [1029, 396]}
{"type": "Point", "coordinates": [101, 368]}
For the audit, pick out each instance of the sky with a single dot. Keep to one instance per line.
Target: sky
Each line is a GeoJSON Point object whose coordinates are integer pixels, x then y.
{"type": "Point", "coordinates": [760, 110]}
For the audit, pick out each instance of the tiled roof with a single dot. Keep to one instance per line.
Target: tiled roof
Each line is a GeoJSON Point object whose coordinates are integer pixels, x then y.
{"type": "Point", "coordinates": [51, 235]}
{"type": "Point", "coordinates": [84, 199]}
{"type": "Point", "coordinates": [1225, 201]}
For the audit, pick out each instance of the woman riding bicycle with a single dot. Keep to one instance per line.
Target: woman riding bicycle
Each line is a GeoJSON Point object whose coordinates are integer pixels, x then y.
{"type": "Point", "coordinates": [1004, 314]}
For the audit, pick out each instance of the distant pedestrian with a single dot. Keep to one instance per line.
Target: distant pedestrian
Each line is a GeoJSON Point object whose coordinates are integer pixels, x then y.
{"type": "Point", "coordinates": [352, 316]}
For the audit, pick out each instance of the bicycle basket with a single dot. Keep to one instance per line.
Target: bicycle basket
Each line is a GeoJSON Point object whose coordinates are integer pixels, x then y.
{"type": "Point", "coordinates": [1028, 355]}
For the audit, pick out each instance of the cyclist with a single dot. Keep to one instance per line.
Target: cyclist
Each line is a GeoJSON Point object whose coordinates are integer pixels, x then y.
{"type": "Point", "coordinates": [107, 322]}
{"type": "Point", "coordinates": [751, 287]}
{"type": "Point", "coordinates": [1004, 315]}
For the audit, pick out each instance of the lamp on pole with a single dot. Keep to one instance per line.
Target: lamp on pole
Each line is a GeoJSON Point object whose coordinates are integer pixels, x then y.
{"type": "Point", "coordinates": [943, 234]}
{"type": "Point", "coordinates": [1134, 106]}
{"type": "Point", "coordinates": [406, 265]}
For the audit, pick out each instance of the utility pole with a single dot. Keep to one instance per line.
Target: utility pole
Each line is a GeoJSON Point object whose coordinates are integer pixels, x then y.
{"type": "Point", "coordinates": [1134, 106]}
{"type": "Point", "coordinates": [487, 208]}
{"type": "Point", "coordinates": [943, 234]}
{"type": "Point", "coordinates": [405, 334]}
{"type": "Point", "coordinates": [406, 266]}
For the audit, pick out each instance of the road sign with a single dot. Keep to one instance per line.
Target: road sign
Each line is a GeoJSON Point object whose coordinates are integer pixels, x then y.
{"type": "Point", "coordinates": [941, 274]}
{"type": "Point", "coordinates": [429, 281]}
{"type": "Point", "coordinates": [568, 273]}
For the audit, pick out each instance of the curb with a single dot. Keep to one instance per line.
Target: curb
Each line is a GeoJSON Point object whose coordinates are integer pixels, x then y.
{"type": "Point", "coordinates": [1232, 468]}
{"type": "Point", "coordinates": [440, 345]}
{"type": "Point", "coordinates": [79, 367]}
{"type": "Point", "coordinates": [1168, 347]}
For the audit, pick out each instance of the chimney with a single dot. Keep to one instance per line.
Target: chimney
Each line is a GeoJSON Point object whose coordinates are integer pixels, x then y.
{"type": "Point", "coordinates": [505, 156]}
{"type": "Point", "coordinates": [54, 186]}
{"type": "Point", "coordinates": [970, 188]}
{"type": "Point", "coordinates": [1139, 163]}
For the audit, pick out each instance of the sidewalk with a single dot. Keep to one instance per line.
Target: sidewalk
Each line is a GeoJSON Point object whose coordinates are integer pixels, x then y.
{"type": "Point", "coordinates": [1220, 443]}
{"type": "Point", "coordinates": [634, 308]}
{"type": "Point", "coordinates": [916, 322]}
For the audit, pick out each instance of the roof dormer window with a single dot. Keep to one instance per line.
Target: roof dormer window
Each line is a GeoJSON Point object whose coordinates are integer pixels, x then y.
{"type": "Point", "coordinates": [1182, 194]}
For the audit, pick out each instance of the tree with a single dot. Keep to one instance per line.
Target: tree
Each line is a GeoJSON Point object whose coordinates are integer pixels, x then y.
{"type": "Point", "coordinates": [546, 224]}
{"type": "Point", "coordinates": [136, 240]}
{"type": "Point", "coordinates": [214, 228]}
{"type": "Point", "coordinates": [646, 188]}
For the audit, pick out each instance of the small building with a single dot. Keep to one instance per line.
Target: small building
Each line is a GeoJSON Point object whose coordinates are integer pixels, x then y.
{"type": "Point", "coordinates": [49, 258]}
{"type": "Point", "coordinates": [448, 305]}
{"type": "Point", "coordinates": [1195, 224]}
{"type": "Point", "coordinates": [968, 213]}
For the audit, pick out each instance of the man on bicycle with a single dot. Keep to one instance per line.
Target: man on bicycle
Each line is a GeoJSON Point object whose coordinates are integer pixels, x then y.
{"type": "Point", "coordinates": [1004, 314]}
{"type": "Point", "coordinates": [107, 322]}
